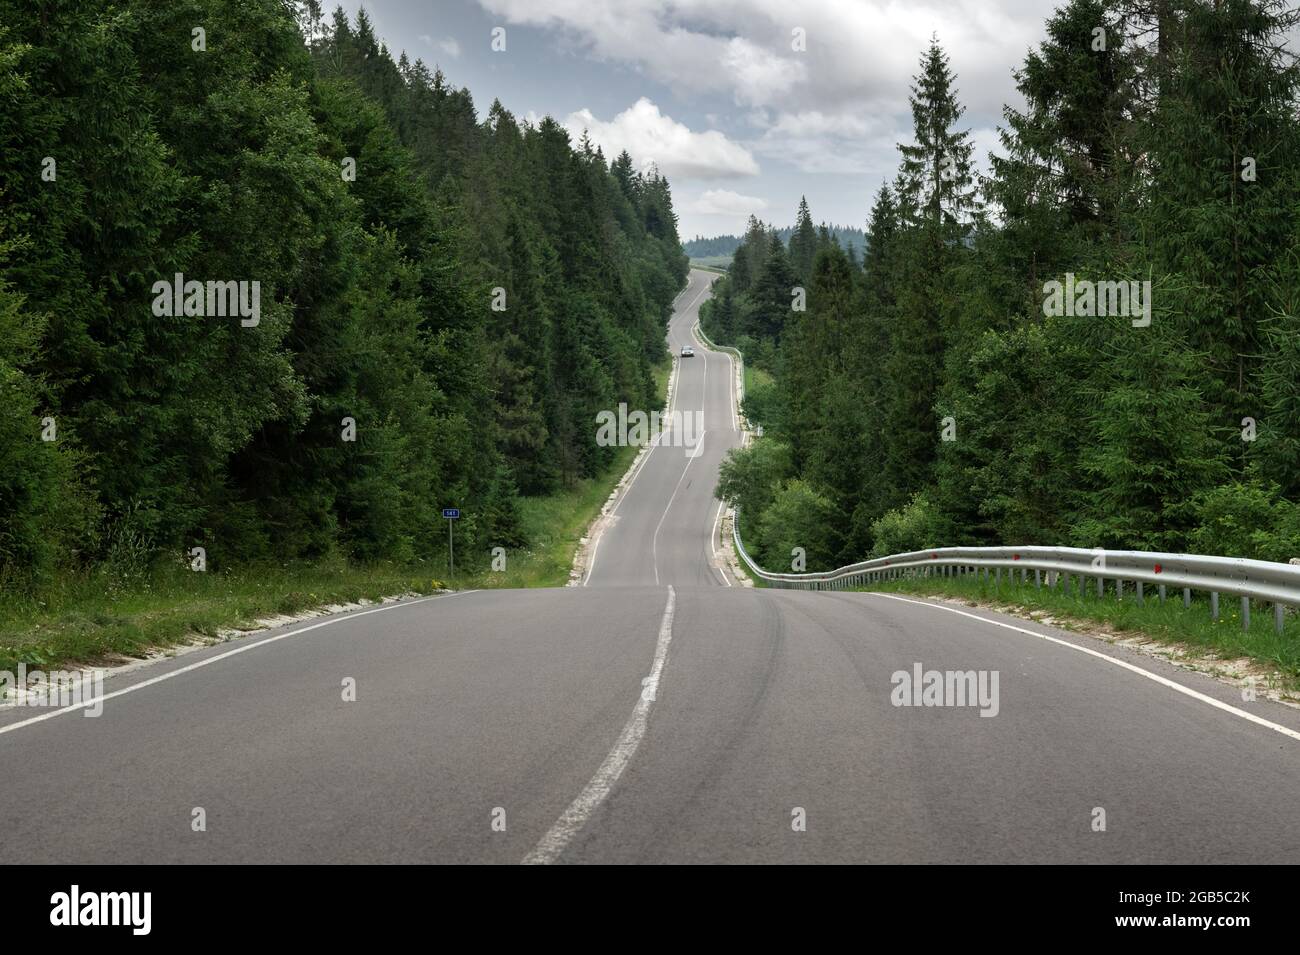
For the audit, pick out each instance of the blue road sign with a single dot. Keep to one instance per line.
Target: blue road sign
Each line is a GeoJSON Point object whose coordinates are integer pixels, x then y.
{"type": "Point", "coordinates": [451, 513]}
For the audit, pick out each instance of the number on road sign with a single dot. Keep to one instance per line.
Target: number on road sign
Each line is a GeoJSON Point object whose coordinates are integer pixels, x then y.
{"type": "Point", "coordinates": [451, 513]}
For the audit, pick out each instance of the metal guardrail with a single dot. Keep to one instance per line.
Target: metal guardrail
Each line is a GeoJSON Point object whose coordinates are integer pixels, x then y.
{"type": "Point", "coordinates": [727, 350]}
{"type": "Point", "coordinates": [1067, 567]}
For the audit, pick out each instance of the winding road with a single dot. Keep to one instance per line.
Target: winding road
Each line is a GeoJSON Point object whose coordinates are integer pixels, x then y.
{"type": "Point", "coordinates": [661, 712]}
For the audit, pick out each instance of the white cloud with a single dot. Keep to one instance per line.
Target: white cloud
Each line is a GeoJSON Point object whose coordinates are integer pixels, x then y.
{"type": "Point", "coordinates": [858, 51]}
{"type": "Point", "coordinates": [841, 105]}
{"type": "Point", "coordinates": [836, 109]}
{"type": "Point", "coordinates": [848, 142]}
{"type": "Point", "coordinates": [449, 46]}
{"type": "Point", "coordinates": [650, 136]}
{"type": "Point", "coordinates": [724, 202]}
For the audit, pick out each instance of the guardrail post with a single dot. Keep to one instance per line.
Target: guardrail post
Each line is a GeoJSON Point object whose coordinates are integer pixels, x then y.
{"type": "Point", "coordinates": [1187, 597]}
{"type": "Point", "coordinates": [1101, 587]}
{"type": "Point", "coordinates": [1038, 578]}
{"type": "Point", "coordinates": [1119, 589]}
{"type": "Point", "coordinates": [997, 578]}
{"type": "Point", "coordinates": [1162, 593]}
{"type": "Point", "coordinates": [1214, 605]}
{"type": "Point", "coordinates": [1245, 613]}
{"type": "Point", "coordinates": [1277, 617]}
{"type": "Point", "coordinates": [1141, 598]}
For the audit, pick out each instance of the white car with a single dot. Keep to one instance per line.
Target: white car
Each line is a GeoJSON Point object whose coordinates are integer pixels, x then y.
{"type": "Point", "coordinates": [688, 351]}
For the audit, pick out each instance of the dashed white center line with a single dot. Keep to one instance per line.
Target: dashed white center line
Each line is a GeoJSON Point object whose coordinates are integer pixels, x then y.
{"type": "Point", "coordinates": [572, 820]}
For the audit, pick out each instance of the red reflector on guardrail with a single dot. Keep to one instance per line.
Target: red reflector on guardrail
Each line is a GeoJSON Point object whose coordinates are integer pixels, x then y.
{"type": "Point", "coordinates": [1158, 568]}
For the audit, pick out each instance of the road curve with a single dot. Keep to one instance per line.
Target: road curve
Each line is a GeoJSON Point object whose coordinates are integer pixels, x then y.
{"type": "Point", "coordinates": [500, 726]}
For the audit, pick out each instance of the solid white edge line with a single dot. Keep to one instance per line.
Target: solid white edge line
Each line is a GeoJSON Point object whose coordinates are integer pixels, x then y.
{"type": "Point", "coordinates": [1155, 677]}
{"type": "Point", "coordinates": [572, 820]}
{"type": "Point", "coordinates": [221, 656]}
{"type": "Point", "coordinates": [713, 535]}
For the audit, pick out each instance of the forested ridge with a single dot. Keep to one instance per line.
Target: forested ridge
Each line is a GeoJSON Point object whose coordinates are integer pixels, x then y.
{"type": "Point", "coordinates": [446, 299]}
{"type": "Point", "coordinates": [700, 247]}
{"type": "Point", "coordinates": [936, 393]}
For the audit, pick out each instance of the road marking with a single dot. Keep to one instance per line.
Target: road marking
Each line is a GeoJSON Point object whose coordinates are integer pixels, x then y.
{"type": "Point", "coordinates": [735, 426]}
{"type": "Point", "coordinates": [1163, 681]}
{"type": "Point", "coordinates": [654, 542]}
{"type": "Point", "coordinates": [656, 441]}
{"type": "Point", "coordinates": [674, 386]}
{"type": "Point", "coordinates": [691, 455]}
{"type": "Point", "coordinates": [713, 536]}
{"type": "Point", "coordinates": [220, 656]}
{"type": "Point", "coordinates": [707, 286]}
{"type": "Point", "coordinates": [595, 548]}
{"type": "Point", "coordinates": [571, 821]}
{"type": "Point", "coordinates": [735, 414]}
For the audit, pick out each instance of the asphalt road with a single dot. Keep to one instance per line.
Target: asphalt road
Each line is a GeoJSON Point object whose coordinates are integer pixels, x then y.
{"type": "Point", "coordinates": [658, 714]}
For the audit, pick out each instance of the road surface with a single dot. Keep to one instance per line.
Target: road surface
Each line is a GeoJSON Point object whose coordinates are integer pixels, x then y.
{"type": "Point", "coordinates": [658, 714]}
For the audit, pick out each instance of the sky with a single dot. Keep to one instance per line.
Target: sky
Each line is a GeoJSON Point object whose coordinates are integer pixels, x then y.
{"type": "Point", "coordinates": [745, 105]}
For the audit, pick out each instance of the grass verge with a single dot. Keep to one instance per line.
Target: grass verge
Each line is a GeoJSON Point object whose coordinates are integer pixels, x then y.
{"type": "Point", "coordinates": [95, 616]}
{"type": "Point", "coordinates": [1167, 622]}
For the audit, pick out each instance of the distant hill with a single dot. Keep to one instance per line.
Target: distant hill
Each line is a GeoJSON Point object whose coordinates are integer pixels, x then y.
{"type": "Point", "coordinates": [718, 250]}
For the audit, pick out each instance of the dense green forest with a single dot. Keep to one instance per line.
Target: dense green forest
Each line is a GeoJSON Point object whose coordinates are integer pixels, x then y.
{"type": "Point", "coordinates": [937, 393]}
{"type": "Point", "coordinates": [849, 237]}
{"type": "Point", "coordinates": [444, 300]}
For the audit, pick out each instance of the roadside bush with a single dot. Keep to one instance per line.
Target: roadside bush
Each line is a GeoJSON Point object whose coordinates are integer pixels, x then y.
{"type": "Point", "coordinates": [1246, 519]}
{"type": "Point", "coordinates": [913, 526]}
{"type": "Point", "coordinates": [799, 516]}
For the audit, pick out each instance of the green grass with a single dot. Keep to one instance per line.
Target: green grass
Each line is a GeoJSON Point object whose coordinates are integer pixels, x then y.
{"type": "Point", "coordinates": [712, 263]}
{"type": "Point", "coordinates": [1166, 622]}
{"type": "Point", "coordinates": [756, 376]}
{"type": "Point", "coordinates": [94, 616]}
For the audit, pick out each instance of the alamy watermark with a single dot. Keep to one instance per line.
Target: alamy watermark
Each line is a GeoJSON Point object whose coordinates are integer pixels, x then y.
{"type": "Point", "coordinates": [921, 687]}
{"type": "Point", "coordinates": [212, 299]}
{"type": "Point", "coordinates": [1086, 298]}
{"type": "Point", "coordinates": [59, 688]}
{"type": "Point", "coordinates": [677, 429]}
{"type": "Point", "coordinates": [129, 909]}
